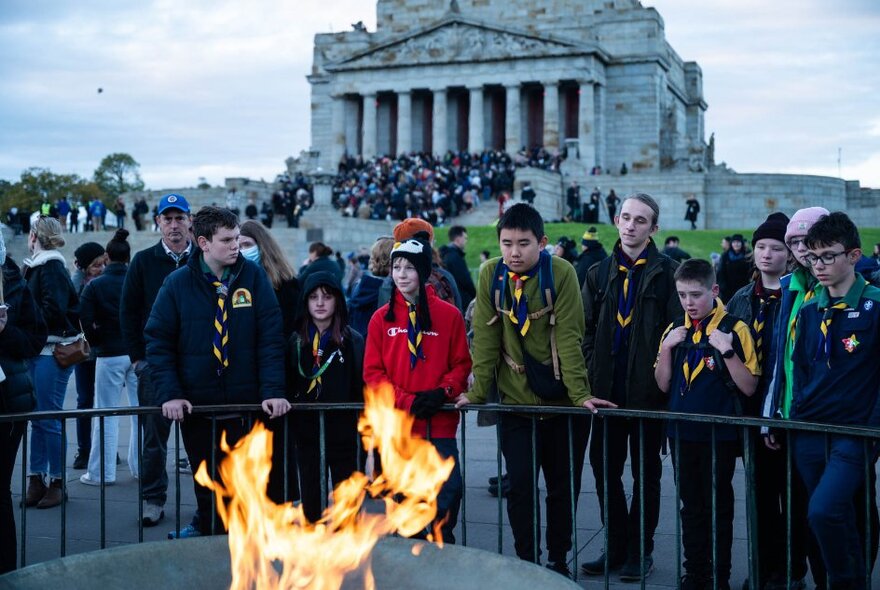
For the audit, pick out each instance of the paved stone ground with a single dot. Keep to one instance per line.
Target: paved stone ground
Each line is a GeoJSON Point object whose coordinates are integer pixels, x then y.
{"type": "Point", "coordinates": [478, 521]}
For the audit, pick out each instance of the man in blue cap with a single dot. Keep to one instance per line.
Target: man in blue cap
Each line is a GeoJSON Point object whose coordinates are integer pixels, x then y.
{"type": "Point", "coordinates": [145, 276]}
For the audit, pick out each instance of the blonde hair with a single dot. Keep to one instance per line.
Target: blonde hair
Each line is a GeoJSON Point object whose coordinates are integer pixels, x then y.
{"type": "Point", "coordinates": [47, 230]}
{"type": "Point", "coordinates": [380, 256]}
{"type": "Point", "coordinates": [271, 257]}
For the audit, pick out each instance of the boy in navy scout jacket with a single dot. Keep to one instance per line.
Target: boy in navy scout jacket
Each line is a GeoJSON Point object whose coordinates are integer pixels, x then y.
{"type": "Point", "coordinates": [214, 337]}
{"type": "Point", "coordinates": [528, 326]}
{"type": "Point", "coordinates": [706, 361]}
{"type": "Point", "coordinates": [836, 374]}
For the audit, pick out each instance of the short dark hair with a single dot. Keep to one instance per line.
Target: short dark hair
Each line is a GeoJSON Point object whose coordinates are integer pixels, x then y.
{"type": "Point", "coordinates": [524, 217]}
{"type": "Point", "coordinates": [455, 231]}
{"type": "Point", "coordinates": [671, 239]}
{"type": "Point", "coordinates": [696, 270]}
{"type": "Point", "coordinates": [209, 219]}
{"type": "Point", "coordinates": [835, 228]}
{"type": "Point", "coordinates": [647, 200]}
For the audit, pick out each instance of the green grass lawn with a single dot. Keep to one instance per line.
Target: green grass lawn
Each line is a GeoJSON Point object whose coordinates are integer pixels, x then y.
{"type": "Point", "coordinates": [699, 243]}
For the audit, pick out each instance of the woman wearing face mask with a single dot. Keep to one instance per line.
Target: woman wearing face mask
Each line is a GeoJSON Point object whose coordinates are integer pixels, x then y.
{"type": "Point", "coordinates": [47, 277]}
{"type": "Point", "coordinates": [258, 245]}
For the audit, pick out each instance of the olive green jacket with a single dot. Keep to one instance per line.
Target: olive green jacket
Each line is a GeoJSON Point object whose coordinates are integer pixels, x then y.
{"type": "Point", "coordinates": [493, 338]}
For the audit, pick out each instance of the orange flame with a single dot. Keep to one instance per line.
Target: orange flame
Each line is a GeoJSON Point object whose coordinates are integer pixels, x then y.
{"type": "Point", "coordinates": [274, 546]}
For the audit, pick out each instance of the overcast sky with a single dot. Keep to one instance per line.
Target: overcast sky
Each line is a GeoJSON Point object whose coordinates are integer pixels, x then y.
{"type": "Point", "coordinates": [214, 89]}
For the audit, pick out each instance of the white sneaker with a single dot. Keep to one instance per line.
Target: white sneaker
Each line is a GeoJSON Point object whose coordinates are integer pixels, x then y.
{"type": "Point", "coordinates": [85, 479]}
{"type": "Point", "coordinates": [153, 513]}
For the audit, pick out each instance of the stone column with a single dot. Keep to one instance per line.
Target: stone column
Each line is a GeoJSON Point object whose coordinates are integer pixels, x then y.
{"type": "Point", "coordinates": [438, 129]}
{"type": "Point", "coordinates": [600, 124]}
{"type": "Point", "coordinates": [551, 116]}
{"type": "Point", "coordinates": [512, 131]}
{"type": "Point", "coordinates": [337, 126]}
{"type": "Point", "coordinates": [476, 141]}
{"type": "Point", "coordinates": [585, 133]}
{"type": "Point", "coordinates": [368, 149]}
{"type": "Point", "coordinates": [404, 122]}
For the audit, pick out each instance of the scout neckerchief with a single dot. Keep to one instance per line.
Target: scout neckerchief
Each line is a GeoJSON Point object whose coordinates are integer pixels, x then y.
{"type": "Point", "coordinates": [519, 311]}
{"type": "Point", "coordinates": [626, 300]}
{"type": "Point", "coordinates": [695, 361]}
{"type": "Point", "coordinates": [319, 344]}
{"type": "Point", "coordinates": [824, 349]}
{"type": "Point", "coordinates": [766, 297]}
{"type": "Point", "coordinates": [414, 335]}
{"type": "Point", "coordinates": [221, 321]}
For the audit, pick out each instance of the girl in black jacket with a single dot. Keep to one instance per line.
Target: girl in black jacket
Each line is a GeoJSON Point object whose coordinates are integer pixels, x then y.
{"type": "Point", "coordinates": [22, 336]}
{"type": "Point", "coordinates": [99, 313]}
{"type": "Point", "coordinates": [325, 364]}
{"type": "Point", "coordinates": [49, 282]}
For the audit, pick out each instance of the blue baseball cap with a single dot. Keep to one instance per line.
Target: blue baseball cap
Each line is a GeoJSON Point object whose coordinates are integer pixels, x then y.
{"type": "Point", "coordinates": [173, 201]}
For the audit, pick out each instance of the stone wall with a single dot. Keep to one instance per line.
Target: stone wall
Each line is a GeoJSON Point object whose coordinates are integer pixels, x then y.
{"type": "Point", "coordinates": [745, 200]}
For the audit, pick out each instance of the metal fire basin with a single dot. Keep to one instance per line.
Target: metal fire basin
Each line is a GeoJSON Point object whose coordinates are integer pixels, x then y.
{"type": "Point", "coordinates": [200, 563]}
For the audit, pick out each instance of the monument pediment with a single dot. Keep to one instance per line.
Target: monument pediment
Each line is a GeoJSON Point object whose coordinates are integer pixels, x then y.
{"type": "Point", "coordinates": [457, 41]}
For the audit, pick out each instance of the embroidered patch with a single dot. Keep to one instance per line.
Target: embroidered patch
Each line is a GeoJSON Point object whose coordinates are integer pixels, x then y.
{"type": "Point", "coordinates": [242, 298]}
{"type": "Point", "coordinates": [710, 362]}
{"type": "Point", "coordinates": [868, 305]}
{"type": "Point", "coordinates": [852, 314]}
{"type": "Point", "coordinates": [850, 343]}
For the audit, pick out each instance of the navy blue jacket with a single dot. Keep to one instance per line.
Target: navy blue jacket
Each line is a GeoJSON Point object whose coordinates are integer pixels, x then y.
{"type": "Point", "coordinates": [180, 335]}
{"type": "Point", "coordinates": [99, 311]}
{"type": "Point", "coordinates": [843, 387]}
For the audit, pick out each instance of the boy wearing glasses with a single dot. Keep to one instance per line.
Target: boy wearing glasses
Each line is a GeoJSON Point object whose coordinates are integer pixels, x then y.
{"type": "Point", "coordinates": [835, 381]}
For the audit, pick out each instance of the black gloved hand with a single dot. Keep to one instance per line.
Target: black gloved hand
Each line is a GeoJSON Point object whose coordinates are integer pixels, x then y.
{"type": "Point", "coordinates": [428, 403]}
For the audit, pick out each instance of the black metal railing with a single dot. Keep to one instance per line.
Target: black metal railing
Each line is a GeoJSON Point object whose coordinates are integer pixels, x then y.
{"type": "Point", "coordinates": [749, 429]}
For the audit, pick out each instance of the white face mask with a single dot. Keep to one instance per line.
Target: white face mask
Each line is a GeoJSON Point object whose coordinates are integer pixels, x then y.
{"type": "Point", "coordinates": [252, 253]}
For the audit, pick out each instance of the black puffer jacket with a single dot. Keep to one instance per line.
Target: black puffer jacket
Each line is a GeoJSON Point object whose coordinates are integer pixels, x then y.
{"type": "Point", "coordinates": [180, 336]}
{"type": "Point", "coordinates": [99, 311]}
{"type": "Point", "coordinates": [53, 291]}
{"type": "Point", "coordinates": [22, 338]}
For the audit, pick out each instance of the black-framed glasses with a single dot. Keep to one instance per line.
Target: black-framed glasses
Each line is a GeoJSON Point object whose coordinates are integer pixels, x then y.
{"type": "Point", "coordinates": [795, 242]}
{"type": "Point", "coordinates": [827, 259]}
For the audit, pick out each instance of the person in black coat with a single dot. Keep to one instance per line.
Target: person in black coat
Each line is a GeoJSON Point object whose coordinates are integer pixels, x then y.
{"type": "Point", "coordinates": [146, 274]}
{"type": "Point", "coordinates": [214, 337]}
{"type": "Point", "coordinates": [22, 336]}
{"type": "Point", "coordinates": [324, 364]}
{"type": "Point", "coordinates": [114, 371]}
{"type": "Point", "coordinates": [592, 252]}
{"type": "Point", "coordinates": [735, 268]}
{"type": "Point", "coordinates": [321, 259]}
{"type": "Point", "coordinates": [455, 263]}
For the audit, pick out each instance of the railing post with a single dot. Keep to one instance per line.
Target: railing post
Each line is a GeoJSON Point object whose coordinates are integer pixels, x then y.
{"type": "Point", "coordinates": [464, 478]}
{"type": "Point", "coordinates": [574, 532]}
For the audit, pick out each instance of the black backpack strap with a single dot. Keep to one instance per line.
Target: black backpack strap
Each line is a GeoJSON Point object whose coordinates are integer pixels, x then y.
{"type": "Point", "coordinates": [726, 326]}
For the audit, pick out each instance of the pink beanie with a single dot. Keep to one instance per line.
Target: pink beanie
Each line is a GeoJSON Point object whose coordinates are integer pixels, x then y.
{"type": "Point", "coordinates": [803, 220]}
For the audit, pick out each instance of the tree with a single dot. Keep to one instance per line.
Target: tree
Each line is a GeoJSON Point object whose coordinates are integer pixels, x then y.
{"type": "Point", "coordinates": [117, 174]}
{"type": "Point", "coordinates": [36, 184]}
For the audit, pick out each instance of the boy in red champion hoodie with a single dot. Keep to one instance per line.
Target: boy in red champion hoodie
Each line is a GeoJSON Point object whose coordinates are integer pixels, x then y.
{"type": "Point", "coordinates": [417, 343]}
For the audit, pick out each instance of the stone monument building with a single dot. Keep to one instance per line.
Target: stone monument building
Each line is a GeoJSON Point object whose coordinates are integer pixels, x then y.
{"type": "Point", "coordinates": [595, 76]}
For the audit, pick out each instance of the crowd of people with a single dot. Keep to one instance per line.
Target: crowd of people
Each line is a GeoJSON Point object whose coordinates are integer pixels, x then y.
{"type": "Point", "coordinates": [431, 188]}
{"type": "Point", "coordinates": [214, 314]}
